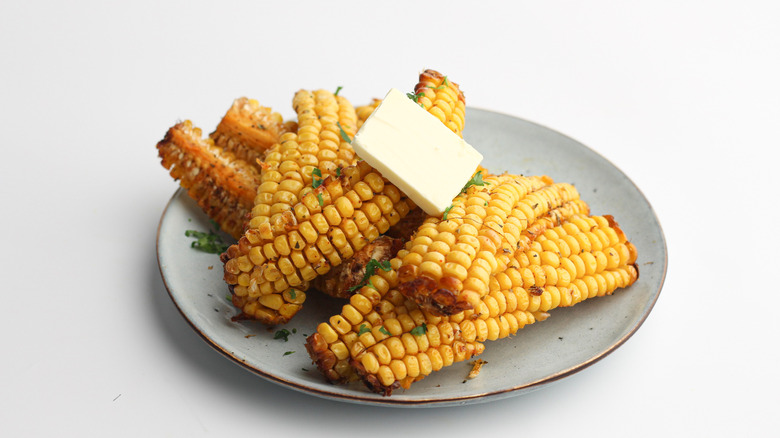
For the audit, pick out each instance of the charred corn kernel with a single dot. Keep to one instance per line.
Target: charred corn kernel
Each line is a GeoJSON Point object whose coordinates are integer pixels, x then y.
{"type": "Point", "coordinates": [248, 130]}
{"type": "Point", "coordinates": [222, 183]}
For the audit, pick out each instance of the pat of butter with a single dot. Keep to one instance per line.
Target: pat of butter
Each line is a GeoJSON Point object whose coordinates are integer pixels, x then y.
{"type": "Point", "coordinates": [415, 151]}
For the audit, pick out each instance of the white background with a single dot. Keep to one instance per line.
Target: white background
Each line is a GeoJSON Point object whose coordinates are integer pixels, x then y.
{"type": "Point", "coordinates": [682, 96]}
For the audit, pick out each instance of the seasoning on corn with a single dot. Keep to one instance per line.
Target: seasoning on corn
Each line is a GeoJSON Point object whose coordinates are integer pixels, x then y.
{"type": "Point", "coordinates": [289, 169]}
{"type": "Point", "coordinates": [291, 243]}
{"type": "Point", "coordinates": [443, 98]}
{"type": "Point", "coordinates": [263, 270]}
{"type": "Point", "coordinates": [451, 260]}
{"type": "Point", "coordinates": [248, 129]}
{"type": "Point", "coordinates": [532, 283]}
{"type": "Point", "coordinates": [223, 186]}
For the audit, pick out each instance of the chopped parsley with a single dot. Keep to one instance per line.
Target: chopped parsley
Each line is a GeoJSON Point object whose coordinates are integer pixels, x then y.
{"type": "Point", "coordinates": [208, 241]}
{"type": "Point", "coordinates": [443, 85]}
{"type": "Point", "coordinates": [446, 212]}
{"type": "Point", "coordinates": [316, 177]}
{"type": "Point", "coordinates": [282, 334]}
{"type": "Point", "coordinates": [419, 330]}
{"type": "Point", "coordinates": [292, 295]}
{"type": "Point", "coordinates": [287, 353]}
{"type": "Point", "coordinates": [370, 270]}
{"type": "Point", "coordinates": [476, 180]}
{"type": "Point", "coordinates": [320, 200]}
{"type": "Point", "coordinates": [415, 97]}
{"type": "Point", "coordinates": [363, 329]}
{"type": "Point", "coordinates": [344, 135]}
{"type": "Point", "coordinates": [338, 172]}
{"type": "Point", "coordinates": [336, 93]}
{"type": "Point", "coordinates": [384, 331]}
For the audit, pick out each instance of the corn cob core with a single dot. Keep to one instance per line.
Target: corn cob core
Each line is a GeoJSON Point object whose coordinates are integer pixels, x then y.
{"type": "Point", "coordinates": [248, 129]}
{"type": "Point", "coordinates": [222, 184]}
{"type": "Point", "coordinates": [450, 262]}
{"type": "Point", "coordinates": [389, 341]}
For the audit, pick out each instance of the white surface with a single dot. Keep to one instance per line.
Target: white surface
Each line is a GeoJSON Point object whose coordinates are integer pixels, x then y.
{"type": "Point", "coordinates": [415, 151]}
{"type": "Point", "coordinates": [682, 96]}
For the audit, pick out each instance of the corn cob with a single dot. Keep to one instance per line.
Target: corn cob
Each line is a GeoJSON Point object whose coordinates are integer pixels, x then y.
{"type": "Point", "coordinates": [288, 172]}
{"type": "Point", "coordinates": [330, 223]}
{"type": "Point", "coordinates": [364, 111]}
{"type": "Point", "coordinates": [389, 341]}
{"type": "Point", "coordinates": [248, 130]}
{"type": "Point", "coordinates": [442, 98]}
{"type": "Point", "coordinates": [271, 266]}
{"type": "Point", "coordinates": [222, 185]}
{"type": "Point", "coordinates": [380, 304]}
{"type": "Point", "coordinates": [451, 260]}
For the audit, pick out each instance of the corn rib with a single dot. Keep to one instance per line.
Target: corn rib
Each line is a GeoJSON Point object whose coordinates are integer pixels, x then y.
{"type": "Point", "coordinates": [248, 130]}
{"type": "Point", "coordinates": [221, 184]}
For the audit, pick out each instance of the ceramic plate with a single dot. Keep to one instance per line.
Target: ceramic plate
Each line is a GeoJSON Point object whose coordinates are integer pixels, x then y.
{"type": "Point", "coordinates": [570, 340]}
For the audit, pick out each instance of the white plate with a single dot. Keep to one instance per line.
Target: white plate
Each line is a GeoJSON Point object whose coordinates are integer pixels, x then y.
{"type": "Point", "coordinates": [570, 340]}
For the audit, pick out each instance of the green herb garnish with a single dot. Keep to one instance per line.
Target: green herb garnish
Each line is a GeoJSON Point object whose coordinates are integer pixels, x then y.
{"type": "Point", "coordinates": [476, 180]}
{"type": "Point", "coordinates": [207, 241]}
{"type": "Point", "coordinates": [384, 331]}
{"type": "Point", "coordinates": [446, 212]}
{"type": "Point", "coordinates": [287, 353]}
{"type": "Point", "coordinates": [336, 93]}
{"type": "Point", "coordinates": [338, 172]}
{"type": "Point", "coordinates": [316, 177]}
{"type": "Point", "coordinates": [282, 334]}
{"type": "Point", "coordinates": [370, 270]}
{"type": "Point", "coordinates": [363, 329]}
{"type": "Point", "coordinates": [292, 295]}
{"type": "Point", "coordinates": [443, 85]}
{"type": "Point", "coordinates": [344, 135]}
{"type": "Point", "coordinates": [414, 97]}
{"type": "Point", "coordinates": [419, 330]}
{"type": "Point", "coordinates": [320, 200]}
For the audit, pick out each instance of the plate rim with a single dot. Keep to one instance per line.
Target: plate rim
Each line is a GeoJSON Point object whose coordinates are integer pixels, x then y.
{"type": "Point", "coordinates": [395, 401]}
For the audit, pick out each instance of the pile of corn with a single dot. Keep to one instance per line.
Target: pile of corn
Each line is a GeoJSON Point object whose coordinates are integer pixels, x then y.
{"type": "Point", "coordinates": [300, 203]}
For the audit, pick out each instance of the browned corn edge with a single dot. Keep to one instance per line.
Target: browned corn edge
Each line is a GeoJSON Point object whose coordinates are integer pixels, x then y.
{"type": "Point", "coordinates": [438, 78]}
